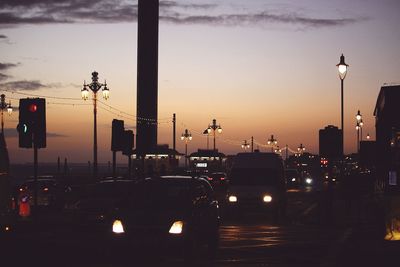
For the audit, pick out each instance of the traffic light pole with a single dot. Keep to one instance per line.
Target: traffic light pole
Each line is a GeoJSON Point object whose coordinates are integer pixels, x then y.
{"type": "Point", "coordinates": [114, 155]}
{"type": "Point", "coordinates": [35, 174]}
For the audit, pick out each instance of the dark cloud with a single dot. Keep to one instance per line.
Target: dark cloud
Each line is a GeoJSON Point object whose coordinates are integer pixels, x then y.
{"type": "Point", "coordinates": [4, 77]}
{"type": "Point", "coordinates": [2, 36]}
{"type": "Point", "coordinates": [24, 85]}
{"type": "Point", "coordinates": [6, 66]}
{"type": "Point", "coordinates": [12, 133]}
{"type": "Point", "coordinates": [16, 12]}
{"type": "Point", "coordinates": [260, 18]}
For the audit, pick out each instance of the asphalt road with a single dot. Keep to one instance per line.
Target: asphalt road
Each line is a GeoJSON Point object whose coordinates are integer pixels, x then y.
{"type": "Point", "coordinates": [251, 240]}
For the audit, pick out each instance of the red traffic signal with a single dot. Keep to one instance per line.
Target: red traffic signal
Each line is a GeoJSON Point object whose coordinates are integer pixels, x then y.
{"type": "Point", "coordinates": [32, 108]}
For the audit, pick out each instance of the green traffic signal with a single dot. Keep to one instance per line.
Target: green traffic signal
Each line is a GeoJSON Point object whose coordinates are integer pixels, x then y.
{"type": "Point", "coordinates": [24, 128]}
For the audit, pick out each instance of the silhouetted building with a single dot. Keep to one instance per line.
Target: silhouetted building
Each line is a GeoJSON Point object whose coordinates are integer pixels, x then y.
{"type": "Point", "coordinates": [207, 160]}
{"type": "Point", "coordinates": [147, 77]}
{"type": "Point", "coordinates": [162, 160]}
{"type": "Point", "coordinates": [387, 125]}
{"type": "Point", "coordinates": [368, 154]}
{"type": "Point", "coordinates": [330, 142]}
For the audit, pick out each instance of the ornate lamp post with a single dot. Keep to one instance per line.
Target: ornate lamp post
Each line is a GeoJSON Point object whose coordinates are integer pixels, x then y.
{"type": "Point", "coordinates": [187, 136]}
{"type": "Point", "coordinates": [342, 68]}
{"type": "Point", "coordinates": [245, 145]}
{"type": "Point", "coordinates": [277, 150]}
{"type": "Point", "coordinates": [95, 86]}
{"type": "Point", "coordinates": [272, 142]}
{"type": "Point", "coordinates": [301, 149]}
{"type": "Point", "coordinates": [359, 126]}
{"type": "Point", "coordinates": [4, 106]}
{"type": "Point", "coordinates": [213, 128]}
{"type": "Point", "coordinates": [358, 136]}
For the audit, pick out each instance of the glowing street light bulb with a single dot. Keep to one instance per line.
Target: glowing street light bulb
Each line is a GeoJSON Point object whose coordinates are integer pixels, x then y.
{"type": "Point", "coordinates": [342, 68]}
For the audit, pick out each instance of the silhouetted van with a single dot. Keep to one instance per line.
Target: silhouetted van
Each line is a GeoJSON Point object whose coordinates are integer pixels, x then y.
{"type": "Point", "coordinates": [257, 183]}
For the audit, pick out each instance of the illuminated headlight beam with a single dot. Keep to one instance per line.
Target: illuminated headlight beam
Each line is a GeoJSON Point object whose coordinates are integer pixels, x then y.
{"type": "Point", "coordinates": [176, 228]}
{"type": "Point", "coordinates": [232, 199]}
{"type": "Point", "coordinates": [267, 198]}
{"type": "Point", "coordinates": [117, 227]}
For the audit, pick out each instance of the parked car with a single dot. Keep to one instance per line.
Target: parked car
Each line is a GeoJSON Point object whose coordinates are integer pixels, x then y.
{"type": "Point", "coordinates": [178, 214]}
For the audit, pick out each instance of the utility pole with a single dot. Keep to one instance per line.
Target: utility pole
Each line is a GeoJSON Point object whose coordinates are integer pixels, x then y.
{"type": "Point", "coordinates": [287, 152]}
{"type": "Point", "coordinates": [174, 131]}
{"type": "Point", "coordinates": [252, 144]}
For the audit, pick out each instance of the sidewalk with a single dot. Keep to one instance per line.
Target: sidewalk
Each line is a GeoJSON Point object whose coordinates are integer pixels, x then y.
{"type": "Point", "coordinates": [362, 219]}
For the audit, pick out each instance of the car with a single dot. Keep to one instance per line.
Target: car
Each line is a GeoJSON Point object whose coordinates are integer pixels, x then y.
{"type": "Point", "coordinates": [174, 213]}
{"type": "Point", "coordinates": [47, 191]}
{"type": "Point", "coordinates": [93, 205]}
{"type": "Point", "coordinates": [293, 179]}
{"type": "Point", "coordinates": [257, 183]}
{"type": "Point", "coordinates": [217, 178]}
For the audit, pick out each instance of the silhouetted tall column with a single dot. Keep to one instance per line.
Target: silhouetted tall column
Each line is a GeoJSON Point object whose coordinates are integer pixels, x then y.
{"type": "Point", "coordinates": [147, 76]}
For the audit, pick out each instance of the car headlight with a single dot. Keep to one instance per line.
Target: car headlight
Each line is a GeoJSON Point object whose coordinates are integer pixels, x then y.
{"type": "Point", "coordinates": [267, 198]}
{"type": "Point", "coordinates": [293, 179]}
{"type": "Point", "coordinates": [176, 228]}
{"type": "Point", "coordinates": [232, 199]}
{"type": "Point", "coordinates": [308, 181]}
{"type": "Point", "coordinates": [117, 227]}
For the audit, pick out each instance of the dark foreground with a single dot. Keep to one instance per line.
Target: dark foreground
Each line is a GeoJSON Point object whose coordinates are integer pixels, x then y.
{"type": "Point", "coordinates": [316, 233]}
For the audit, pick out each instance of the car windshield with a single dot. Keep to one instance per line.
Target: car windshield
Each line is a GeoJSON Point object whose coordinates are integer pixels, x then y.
{"type": "Point", "coordinates": [42, 183]}
{"type": "Point", "coordinates": [161, 195]}
{"type": "Point", "coordinates": [254, 177]}
{"type": "Point", "coordinates": [292, 173]}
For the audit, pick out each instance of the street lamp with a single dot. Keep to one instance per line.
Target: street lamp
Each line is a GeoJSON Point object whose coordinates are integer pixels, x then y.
{"type": "Point", "coordinates": [301, 149]}
{"type": "Point", "coordinates": [368, 136]}
{"type": "Point", "coordinates": [342, 68]}
{"type": "Point", "coordinates": [4, 106]}
{"type": "Point", "coordinates": [277, 150]}
{"type": "Point", "coordinates": [187, 136]}
{"type": "Point", "coordinates": [95, 86]}
{"type": "Point", "coordinates": [361, 126]}
{"type": "Point", "coordinates": [358, 136]}
{"type": "Point", "coordinates": [245, 145]}
{"type": "Point", "coordinates": [272, 142]}
{"type": "Point", "coordinates": [213, 128]}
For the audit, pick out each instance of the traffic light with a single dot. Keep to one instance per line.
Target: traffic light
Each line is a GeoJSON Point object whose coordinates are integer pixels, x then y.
{"type": "Point", "coordinates": [117, 135]}
{"type": "Point", "coordinates": [128, 142]}
{"type": "Point", "coordinates": [32, 122]}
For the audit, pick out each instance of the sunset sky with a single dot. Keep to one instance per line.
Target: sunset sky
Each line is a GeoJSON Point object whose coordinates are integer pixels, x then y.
{"type": "Point", "coordinates": [258, 67]}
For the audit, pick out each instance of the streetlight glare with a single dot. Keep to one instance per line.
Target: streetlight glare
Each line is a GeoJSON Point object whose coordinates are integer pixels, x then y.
{"type": "Point", "coordinates": [85, 92]}
{"type": "Point", "coordinates": [9, 109]}
{"type": "Point", "coordinates": [358, 115]}
{"type": "Point", "coordinates": [106, 93]}
{"type": "Point", "coordinates": [342, 69]}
